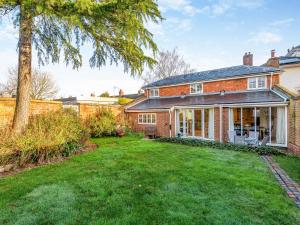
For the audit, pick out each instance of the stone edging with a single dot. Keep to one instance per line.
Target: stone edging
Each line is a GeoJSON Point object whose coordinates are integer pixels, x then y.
{"type": "Point", "coordinates": [287, 183]}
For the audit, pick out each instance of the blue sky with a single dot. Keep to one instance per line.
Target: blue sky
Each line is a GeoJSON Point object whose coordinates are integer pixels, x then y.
{"type": "Point", "coordinates": [208, 33]}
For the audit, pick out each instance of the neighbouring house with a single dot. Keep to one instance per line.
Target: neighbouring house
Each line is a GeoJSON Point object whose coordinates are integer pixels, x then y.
{"type": "Point", "coordinates": [225, 105]}
{"type": "Point", "coordinates": [89, 100]}
{"type": "Point", "coordinates": [129, 96]}
{"type": "Point", "coordinates": [290, 68]}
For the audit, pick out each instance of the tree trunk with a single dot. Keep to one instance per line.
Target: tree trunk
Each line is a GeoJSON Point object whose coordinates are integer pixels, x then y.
{"type": "Point", "coordinates": [21, 115]}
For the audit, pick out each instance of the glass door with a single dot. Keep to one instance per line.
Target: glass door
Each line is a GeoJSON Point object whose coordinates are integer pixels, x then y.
{"type": "Point", "coordinates": [189, 121]}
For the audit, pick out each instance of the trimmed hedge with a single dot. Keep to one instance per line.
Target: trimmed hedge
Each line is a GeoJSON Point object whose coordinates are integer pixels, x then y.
{"type": "Point", "coordinates": [262, 150]}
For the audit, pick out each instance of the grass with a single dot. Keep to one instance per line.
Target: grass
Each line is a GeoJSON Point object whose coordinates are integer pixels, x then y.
{"type": "Point", "coordinates": [291, 165]}
{"type": "Point", "coordinates": [132, 181]}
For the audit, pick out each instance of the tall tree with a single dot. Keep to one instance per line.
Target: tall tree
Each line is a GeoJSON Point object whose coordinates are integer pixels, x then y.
{"type": "Point", "coordinates": [105, 94]}
{"type": "Point", "coordinates": [169, 63]}
{"type": "Point", "coordinates": [43, 86]}
{"type": "Point", "coordinates": [58, 28]}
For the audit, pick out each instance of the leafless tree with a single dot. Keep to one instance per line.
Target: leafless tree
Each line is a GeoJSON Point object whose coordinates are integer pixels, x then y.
{"type": "Point", "coordinates": [169, 63]}
{"type": "Point", "coordinates": [43, 85]}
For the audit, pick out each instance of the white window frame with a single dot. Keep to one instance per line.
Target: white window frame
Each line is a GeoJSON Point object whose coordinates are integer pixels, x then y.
{"type": "Point", "coordinates": [196, 92]}
{"type": "Point", "coordinates": [183, 111]}
{"type": "Point", "coordinates": [256, 82]}
{"type": "Point", "coordinates": [153, 91]}
{"type": "Point", "coordinates": [147, 116]}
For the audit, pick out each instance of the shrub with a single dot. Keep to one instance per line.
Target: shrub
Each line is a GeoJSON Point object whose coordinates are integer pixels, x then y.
{"type": "Point", "coordinates": [221, 146]}
{"type": "Point", "coordinates": [54, 134]}
{"type": "Point", "coordinates": [103, 123]}
{"type": "Point", "coordinates": [124, 101]}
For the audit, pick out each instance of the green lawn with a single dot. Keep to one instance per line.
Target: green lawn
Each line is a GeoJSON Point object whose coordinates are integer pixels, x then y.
{"type": "Point", "coordinates": [132, 181]}
{"type": "Point", "coordinates": [291, 165]}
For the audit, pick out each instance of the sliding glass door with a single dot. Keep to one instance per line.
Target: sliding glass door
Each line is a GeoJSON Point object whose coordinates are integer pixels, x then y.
{"type": "Point", "coordinates": [195, 123]}
{"type": "Point", "coordinates": [262, 122]}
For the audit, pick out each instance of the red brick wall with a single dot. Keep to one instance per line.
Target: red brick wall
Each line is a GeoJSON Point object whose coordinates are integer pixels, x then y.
{"type": "Point", "coordinates": [86, 110]}
{"type": "Point", "coordinates": [240, 84]}
{"type": "Point", "coordinates": [225, 127]}
{"type": "Point", "coordinates": [227, 85]}
{"type": "Point", "coordinates": [162, 123]}
{"type": "Point", "coordinates": [217, 123]}
{"type": "Point", "coordinates": [174, 90]}
{"type": "Point", "coordinates": [7, 108]}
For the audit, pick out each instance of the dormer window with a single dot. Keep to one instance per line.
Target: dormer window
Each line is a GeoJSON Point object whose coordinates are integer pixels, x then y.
{"type": "Point", "coordinates": [196, 88]}
{"type": "Point", "coordinates": [154, 92]}
{"type": "Point", "coordinates": [257, 82]}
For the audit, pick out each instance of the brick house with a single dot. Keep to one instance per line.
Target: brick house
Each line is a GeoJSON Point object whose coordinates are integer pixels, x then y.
{"type": "Point", "coordinates": [225, 105]}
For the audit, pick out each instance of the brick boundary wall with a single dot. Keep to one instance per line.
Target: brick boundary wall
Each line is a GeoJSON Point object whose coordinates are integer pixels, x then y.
{"type": "Point", "coordinates": [294, 126]}
{"type": "Point", "coordinates": [86, 110]}
{"type": "Point", "coordinates": [7, 108]}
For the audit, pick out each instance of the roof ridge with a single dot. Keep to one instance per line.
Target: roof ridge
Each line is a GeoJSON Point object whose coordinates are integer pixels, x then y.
{"type": "Point", "coordinates": [220, 73]}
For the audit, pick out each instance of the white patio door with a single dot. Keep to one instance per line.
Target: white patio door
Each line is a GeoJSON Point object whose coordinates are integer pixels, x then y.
{"type": "Point", "coordinates": [196, 123]}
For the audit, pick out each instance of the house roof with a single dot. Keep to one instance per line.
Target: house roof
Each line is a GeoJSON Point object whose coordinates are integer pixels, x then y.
{"type": "Point", "coordinates": [223, 73]}
{"type": "Point", "coordinates": [284, 60]}
{"type": "Point", "coordinates": [265, 96]}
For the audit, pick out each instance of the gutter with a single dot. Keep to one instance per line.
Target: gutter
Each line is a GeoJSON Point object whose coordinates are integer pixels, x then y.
{"type": "Point", "coordinates": [280, 95]}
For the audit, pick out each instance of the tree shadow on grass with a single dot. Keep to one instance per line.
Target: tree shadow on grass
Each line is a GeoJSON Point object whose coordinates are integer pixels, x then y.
{"type": "Point", "coordinates": [47, 204]}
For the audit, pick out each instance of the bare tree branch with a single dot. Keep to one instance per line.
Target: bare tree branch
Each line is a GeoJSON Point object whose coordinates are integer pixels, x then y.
{"type": "Point", "coordinates": [43, 85]}
{"type": "Point", "coordinates": [170, 63]}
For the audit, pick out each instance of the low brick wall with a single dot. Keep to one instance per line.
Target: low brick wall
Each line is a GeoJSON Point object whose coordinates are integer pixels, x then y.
{"type": "Point", "coordinates": [294, 125]}
{"type": "Point", "coordinates": [7, 108]}
{"type": "Point", "coordinates": [86, 110]}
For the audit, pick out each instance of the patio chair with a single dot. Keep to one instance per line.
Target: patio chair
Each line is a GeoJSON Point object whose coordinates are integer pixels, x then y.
{"type": "Point", "coordinates": [231, 135]}
{"type": "Point", "coordinates": [239, 140]}
{"type": "Point", "coordinates": [252, 139]}
{"type": "Point", "coordinates": [264, 141]}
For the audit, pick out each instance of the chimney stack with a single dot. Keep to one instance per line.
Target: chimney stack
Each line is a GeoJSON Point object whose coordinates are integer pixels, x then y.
{"type": "Point", "coordinates": [273, 61]}
{"type": "Point", "coordinates": [121, 93]}
{"type": "Point", "coordinates": [273, 53]}
{"type": "Point", "coordinates": [248, 59]}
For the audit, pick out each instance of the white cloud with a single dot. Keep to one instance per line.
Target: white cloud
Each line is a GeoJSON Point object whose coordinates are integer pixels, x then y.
{"type": "Point", "coordinates": [265, 38]}
{"type": "Point", "coordinates": [282, 23]}
{"type": "Point", "coordinates": [181, 25]}
{"type": "Point", "coordinates": [223, 6]}
{"type": "Point", "coordinates": [184, 6]}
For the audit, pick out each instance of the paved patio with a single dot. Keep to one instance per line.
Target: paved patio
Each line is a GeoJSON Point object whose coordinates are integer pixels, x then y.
{"type": "Point", "coordinates": [288, 184]}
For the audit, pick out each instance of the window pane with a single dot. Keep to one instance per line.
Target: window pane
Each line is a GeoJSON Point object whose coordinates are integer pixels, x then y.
{"type": "Point", "coordinates": [148, 118]}
{"type": "Point", "coordinates": [262, 123]}
{"type": "Point", "coordinates": [252, 82]}
{"type": "Point", "coordinates": [196, 88]}
{"type": "Point", "coordinates": [237, 121]}
{"type": "Point", "coordinates": [199, 88]}
{"type": "Point", "coordinates": [248, 122]}
{"type": "Point", "coordinates": [140, 118]}
{"type": "Point", "coordinates": [193, 88]}
{"type": "Point", "coordinates": [261, 82]}
{"type": "Point", "coordinates": [278, 125]}
{"type": "Point", "coordinates": [144, 118]}
{"type": "Point", "coordinates": [189, 122]}
{"type": "Point", "coordinates": [153, 118]}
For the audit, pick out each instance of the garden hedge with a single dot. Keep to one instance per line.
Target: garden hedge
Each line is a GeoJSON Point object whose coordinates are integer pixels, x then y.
{"type": "Point", "coordinates": [262, 150]}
